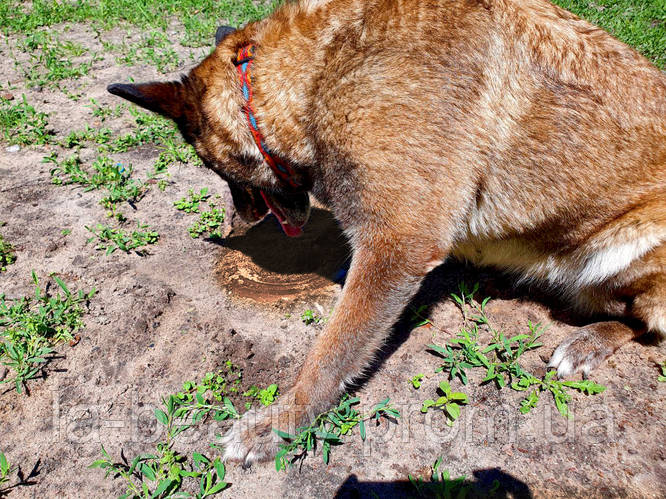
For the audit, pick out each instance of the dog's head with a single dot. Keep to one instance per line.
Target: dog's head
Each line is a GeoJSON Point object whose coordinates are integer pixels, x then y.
{"type": "Point", "coordinates": [206, 105]}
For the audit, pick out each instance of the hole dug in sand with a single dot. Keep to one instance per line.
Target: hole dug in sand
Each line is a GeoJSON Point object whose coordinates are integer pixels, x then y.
{"type": "Point", "coordinates": [260, 263]}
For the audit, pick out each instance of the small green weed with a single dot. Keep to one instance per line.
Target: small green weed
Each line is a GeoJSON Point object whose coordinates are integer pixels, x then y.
{"type": "Point", "coordinates": [5, 471]}
{"type": "Point", "coordinates": [22, 124]}
{"type": "Point", "coordinates": [190, 204]}
{"type": "Point", "coordinates": [662, 377]}
{"type": "Point", "coordinates": [209, 222]}
{"type": "Point", "coordinates": [31, 327]}
{"type": "Point", "coordinates": [119, 184]}
{"type": "Point", "coordinates": [311, 317]}
{"type": "Point", "coordinates": [103, 112]}
{"type": "Point", "coordinates": [110, 239]}
{"type": "Point", "coordinates": [442, 486]}
{"type": "Point", "coordinates": [7, 254]}
{"type": "Point", "coordinates": [225, 382]}
{"type": "Point", "coordinates": [162, 184]}
{"type": "Point", "coordinates": [329, 428]}
{"type": "Point", "coordinates": [450, 402]}
{"type": "Point", "coordinates": [416, 380]}
{"type": "Point", "coordinates": [265, 396]}
{"type": "Point", "coordinates": [500, 357]}
{"type": "Point", "coordinates": [417, 319]}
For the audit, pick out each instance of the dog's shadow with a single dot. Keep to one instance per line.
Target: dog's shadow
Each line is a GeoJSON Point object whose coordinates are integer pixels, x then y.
{"type": "Point", "coordinates": [322, 249]}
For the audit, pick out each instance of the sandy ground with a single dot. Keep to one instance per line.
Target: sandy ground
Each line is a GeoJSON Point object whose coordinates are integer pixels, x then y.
{"type": "Point", "coordinates": [190, 305]}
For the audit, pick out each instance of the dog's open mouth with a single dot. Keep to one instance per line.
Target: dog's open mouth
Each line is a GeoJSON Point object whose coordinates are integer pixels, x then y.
{"type": "Point", "coordinates": [292, 210]}
{"type": "Point", "coordinates": [252, 204]}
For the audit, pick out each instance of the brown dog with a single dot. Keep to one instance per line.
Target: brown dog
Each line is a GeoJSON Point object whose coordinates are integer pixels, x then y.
{"type": "Point", "coordinates": [505, 132]}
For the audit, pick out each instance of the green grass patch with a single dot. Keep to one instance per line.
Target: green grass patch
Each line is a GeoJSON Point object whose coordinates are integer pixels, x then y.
{"type": "Point", "coordinates": [190, 203]}
{"type": "Point", "coordinates": [500, 358]}
{"type": "Point", "coordinates": [173, 152]}
{"type": "Point", "coordinates": [639, 23]}
{"type": "Point", "coordinates": [167, 472]}
{"type": "Point", "coordinates": [328, 429]}
{"type": "Point", "coordinates": [148, 128]}
{"type": "Point", "coordinates": [77, 139]}
{"type": "Point", "coordinates": [154, 48]}
{"type": "Point", "coordinates": [52, 60]}
{"type": "Point", "coordinates": [22, 124]}
{"type": "Point", "coordinates": [30, 327]}
{"type": "Point", "coordinates": [110, 239]}
{"type": "Point", "coordinates": [200, 18]}
{"type": "Point", "coordinates": [209, 222]}
{"type": "Point", "coordinates": [116, 180]}
{"type": "Point", "coordinates": [113, 178]}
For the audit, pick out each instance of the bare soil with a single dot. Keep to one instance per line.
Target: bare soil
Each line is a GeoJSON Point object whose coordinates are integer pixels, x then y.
{"type": "Point", "coordinates": [190, 305]}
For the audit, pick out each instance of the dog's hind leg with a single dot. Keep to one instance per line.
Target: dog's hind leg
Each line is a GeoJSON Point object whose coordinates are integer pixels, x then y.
{"type": "Point", "coordinates": [384, 275]}
{"type": "Point", "coordinates": [645, 298]}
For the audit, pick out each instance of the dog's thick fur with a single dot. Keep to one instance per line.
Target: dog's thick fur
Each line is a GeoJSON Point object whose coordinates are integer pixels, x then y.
{"type": "Point", "coordinates": [505, 132]}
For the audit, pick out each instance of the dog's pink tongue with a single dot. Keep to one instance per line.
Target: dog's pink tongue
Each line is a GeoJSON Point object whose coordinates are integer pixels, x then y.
{"type": "Point", "coordinates": [291, 230]}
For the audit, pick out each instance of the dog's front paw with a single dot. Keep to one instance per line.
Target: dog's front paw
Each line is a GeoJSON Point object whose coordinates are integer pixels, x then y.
{"type": "Point", "coordinates": [582, 351]}
{"type": "Point", "coordinates": [251, 439]}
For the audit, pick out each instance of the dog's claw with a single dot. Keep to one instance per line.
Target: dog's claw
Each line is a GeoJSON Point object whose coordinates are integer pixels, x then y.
{"type": "Point", "coordinates": [582, 351]}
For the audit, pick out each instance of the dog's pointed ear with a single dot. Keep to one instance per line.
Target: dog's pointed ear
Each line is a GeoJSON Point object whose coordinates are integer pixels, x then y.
{"type": "Point", "coordinates": [165, 98]}
{"type": "Point", "coordinates": [222, 32]}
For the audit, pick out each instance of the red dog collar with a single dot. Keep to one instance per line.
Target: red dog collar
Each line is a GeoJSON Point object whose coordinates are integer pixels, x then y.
{"type": "Point", "coordinates": [243, 63]}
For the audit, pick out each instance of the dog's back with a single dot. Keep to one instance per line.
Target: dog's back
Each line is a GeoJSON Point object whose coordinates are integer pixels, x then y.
{"type": "Point", "coordinates": [550, 132]}
{"type": "Point", "coordinates": [520, 135]}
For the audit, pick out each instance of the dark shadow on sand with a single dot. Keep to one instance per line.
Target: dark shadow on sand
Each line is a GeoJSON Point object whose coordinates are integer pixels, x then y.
{"type": "Point", "coordinates": [322, 248]}
{"type": "Point", "coordinates": [484, 483]}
